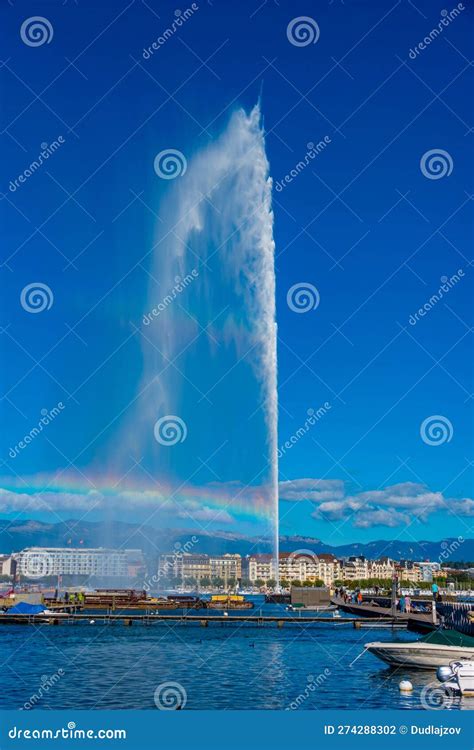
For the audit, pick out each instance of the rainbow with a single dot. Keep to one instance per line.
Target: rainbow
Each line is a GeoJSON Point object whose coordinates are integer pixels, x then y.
{"type": "Point", "coordinates": [69, 490]}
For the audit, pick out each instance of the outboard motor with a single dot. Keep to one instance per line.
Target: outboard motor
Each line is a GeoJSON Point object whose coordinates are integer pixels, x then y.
{"type": "Point", "coordinates": [444, 674]}
{"type": "Point", "coordinates": [459, 676]}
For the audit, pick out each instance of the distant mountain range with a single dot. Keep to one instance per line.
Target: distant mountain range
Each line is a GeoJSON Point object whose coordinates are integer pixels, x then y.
{"type": "Point", "coordinates": [16, 535]}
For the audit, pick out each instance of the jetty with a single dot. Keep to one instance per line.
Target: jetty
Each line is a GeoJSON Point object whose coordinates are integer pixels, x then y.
{"type": "Point", "coordinates": [417, 621]}
{"type": "Point", "coordinates": [256, 620]}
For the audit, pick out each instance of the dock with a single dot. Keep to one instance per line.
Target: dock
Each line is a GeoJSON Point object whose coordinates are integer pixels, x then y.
{"type": "Point", "coordinates": [109, 618]}
{"type": "Point", "coordinates": [414, 621]}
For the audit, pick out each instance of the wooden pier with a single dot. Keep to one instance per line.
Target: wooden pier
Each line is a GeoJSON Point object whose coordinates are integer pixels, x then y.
{"type": "Point", "coordinates": [105, 618]}
{"type": "Point", "coordinates": [414, 620]}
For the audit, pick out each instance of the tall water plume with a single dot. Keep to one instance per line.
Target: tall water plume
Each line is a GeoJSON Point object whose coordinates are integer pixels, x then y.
{"type": "Point", "coordinates": [206, 410]}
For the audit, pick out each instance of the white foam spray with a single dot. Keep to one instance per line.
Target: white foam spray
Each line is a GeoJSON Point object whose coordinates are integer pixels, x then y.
{"type": "Point", "coordinates": [216, 220]}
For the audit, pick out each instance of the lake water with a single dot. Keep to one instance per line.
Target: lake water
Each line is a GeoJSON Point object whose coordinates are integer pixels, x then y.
{"type": "Point", "coordinates": [229, 666]}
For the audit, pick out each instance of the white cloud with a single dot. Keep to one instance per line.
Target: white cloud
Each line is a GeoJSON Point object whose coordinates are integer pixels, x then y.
{"type": "Point", "coordinates": [315, 490]}
{"type": "Point", "coordinates": [391, 518]}
{"type": "Point", "coordinates": [397, 505]}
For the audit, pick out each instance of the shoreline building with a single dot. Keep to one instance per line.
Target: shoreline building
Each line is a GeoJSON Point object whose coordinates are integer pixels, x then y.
{"type": "Point", "coordinates": [199, 567]}
{"type": "Point", "coordinates": [417, 572]}
{"type": "Point", "coordinates": [40, 562]}
{"type": "Point", "coordinates": [7, 565]}
{"type": "Point", "coordinates": [303, 566]}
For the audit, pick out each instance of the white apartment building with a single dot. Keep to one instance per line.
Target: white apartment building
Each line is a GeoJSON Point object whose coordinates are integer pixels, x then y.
{"type": "Point", "coordinates": [259, 568]}
{"type": "Point", "coordinates": [38, 562]}
{"type": "Point", "coordinates": [228, 567]}
{"type": "Point", "coordinates": [355, 568]}
{"type": "Point", "coordinates": [307, 566]}
{"type": "Point", "coordinates": [294, 566]}
{"type": "Point", "coordinates": [330, 569]}
{"type": "Point", "coordinates": [382, 568]}
{"type": "Point", "coordinates": [196, 567]}
{"type": "Point", "coordinates": [359, 568]}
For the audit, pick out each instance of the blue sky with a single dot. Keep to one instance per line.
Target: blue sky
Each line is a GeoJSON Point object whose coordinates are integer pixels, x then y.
{"type": "Point", "coordinates": [361, 223]}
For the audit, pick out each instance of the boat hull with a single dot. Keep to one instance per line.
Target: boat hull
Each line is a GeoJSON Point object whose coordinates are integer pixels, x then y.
{"type": "Point", "coordinates": [419, 655]}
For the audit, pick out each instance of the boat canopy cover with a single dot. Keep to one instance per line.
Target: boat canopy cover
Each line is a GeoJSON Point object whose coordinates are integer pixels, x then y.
{"type": "Point", "coordinates": [23, 608]}
{"type": "Point", "coordinates": [449, 638]}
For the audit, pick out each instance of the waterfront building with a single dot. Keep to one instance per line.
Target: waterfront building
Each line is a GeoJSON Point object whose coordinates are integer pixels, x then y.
{"type": "Point", "coordinates": [330, 568]}
{"type": "Point", "coordinates": [304, 566]}
{"type": "Point", "coordinates": [7, 565]}
{"type": "Point", "coordinates": [200, 568]}
{"type": "Point", "coordinates": [417, 572]}
{"type": "Point", "coordinates": [82, 561]}
{"type": "Point", "coordinates": [259, 568]}
{"type": "Point", "coordinates": [228, 567]}
{"type": "Point", "coordinates": [407, 571]}
{"type": "Point", "coordinates": [355, 569]}
{"type": "Point", "coordinates": [382, 568]}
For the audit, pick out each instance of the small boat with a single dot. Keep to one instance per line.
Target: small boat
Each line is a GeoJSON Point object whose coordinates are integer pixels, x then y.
{"type": "Point", "coordinates": [312, 608]}
{"type": "Point", "coordinates": [229, 601]}
{"type": "Point", "coordinates": [458, 678]}
{"type": "Point", "coordinates": [439, 648]}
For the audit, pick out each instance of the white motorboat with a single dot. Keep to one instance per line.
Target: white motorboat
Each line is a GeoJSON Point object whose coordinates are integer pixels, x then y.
{"type": "Point", "coordinates": [439, 648]}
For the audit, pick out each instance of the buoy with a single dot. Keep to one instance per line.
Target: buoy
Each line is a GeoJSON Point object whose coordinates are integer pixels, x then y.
{"type": "Point", "coordinates": [91, 622]}
{"type": "Point", "coordinates": [405, 686]}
